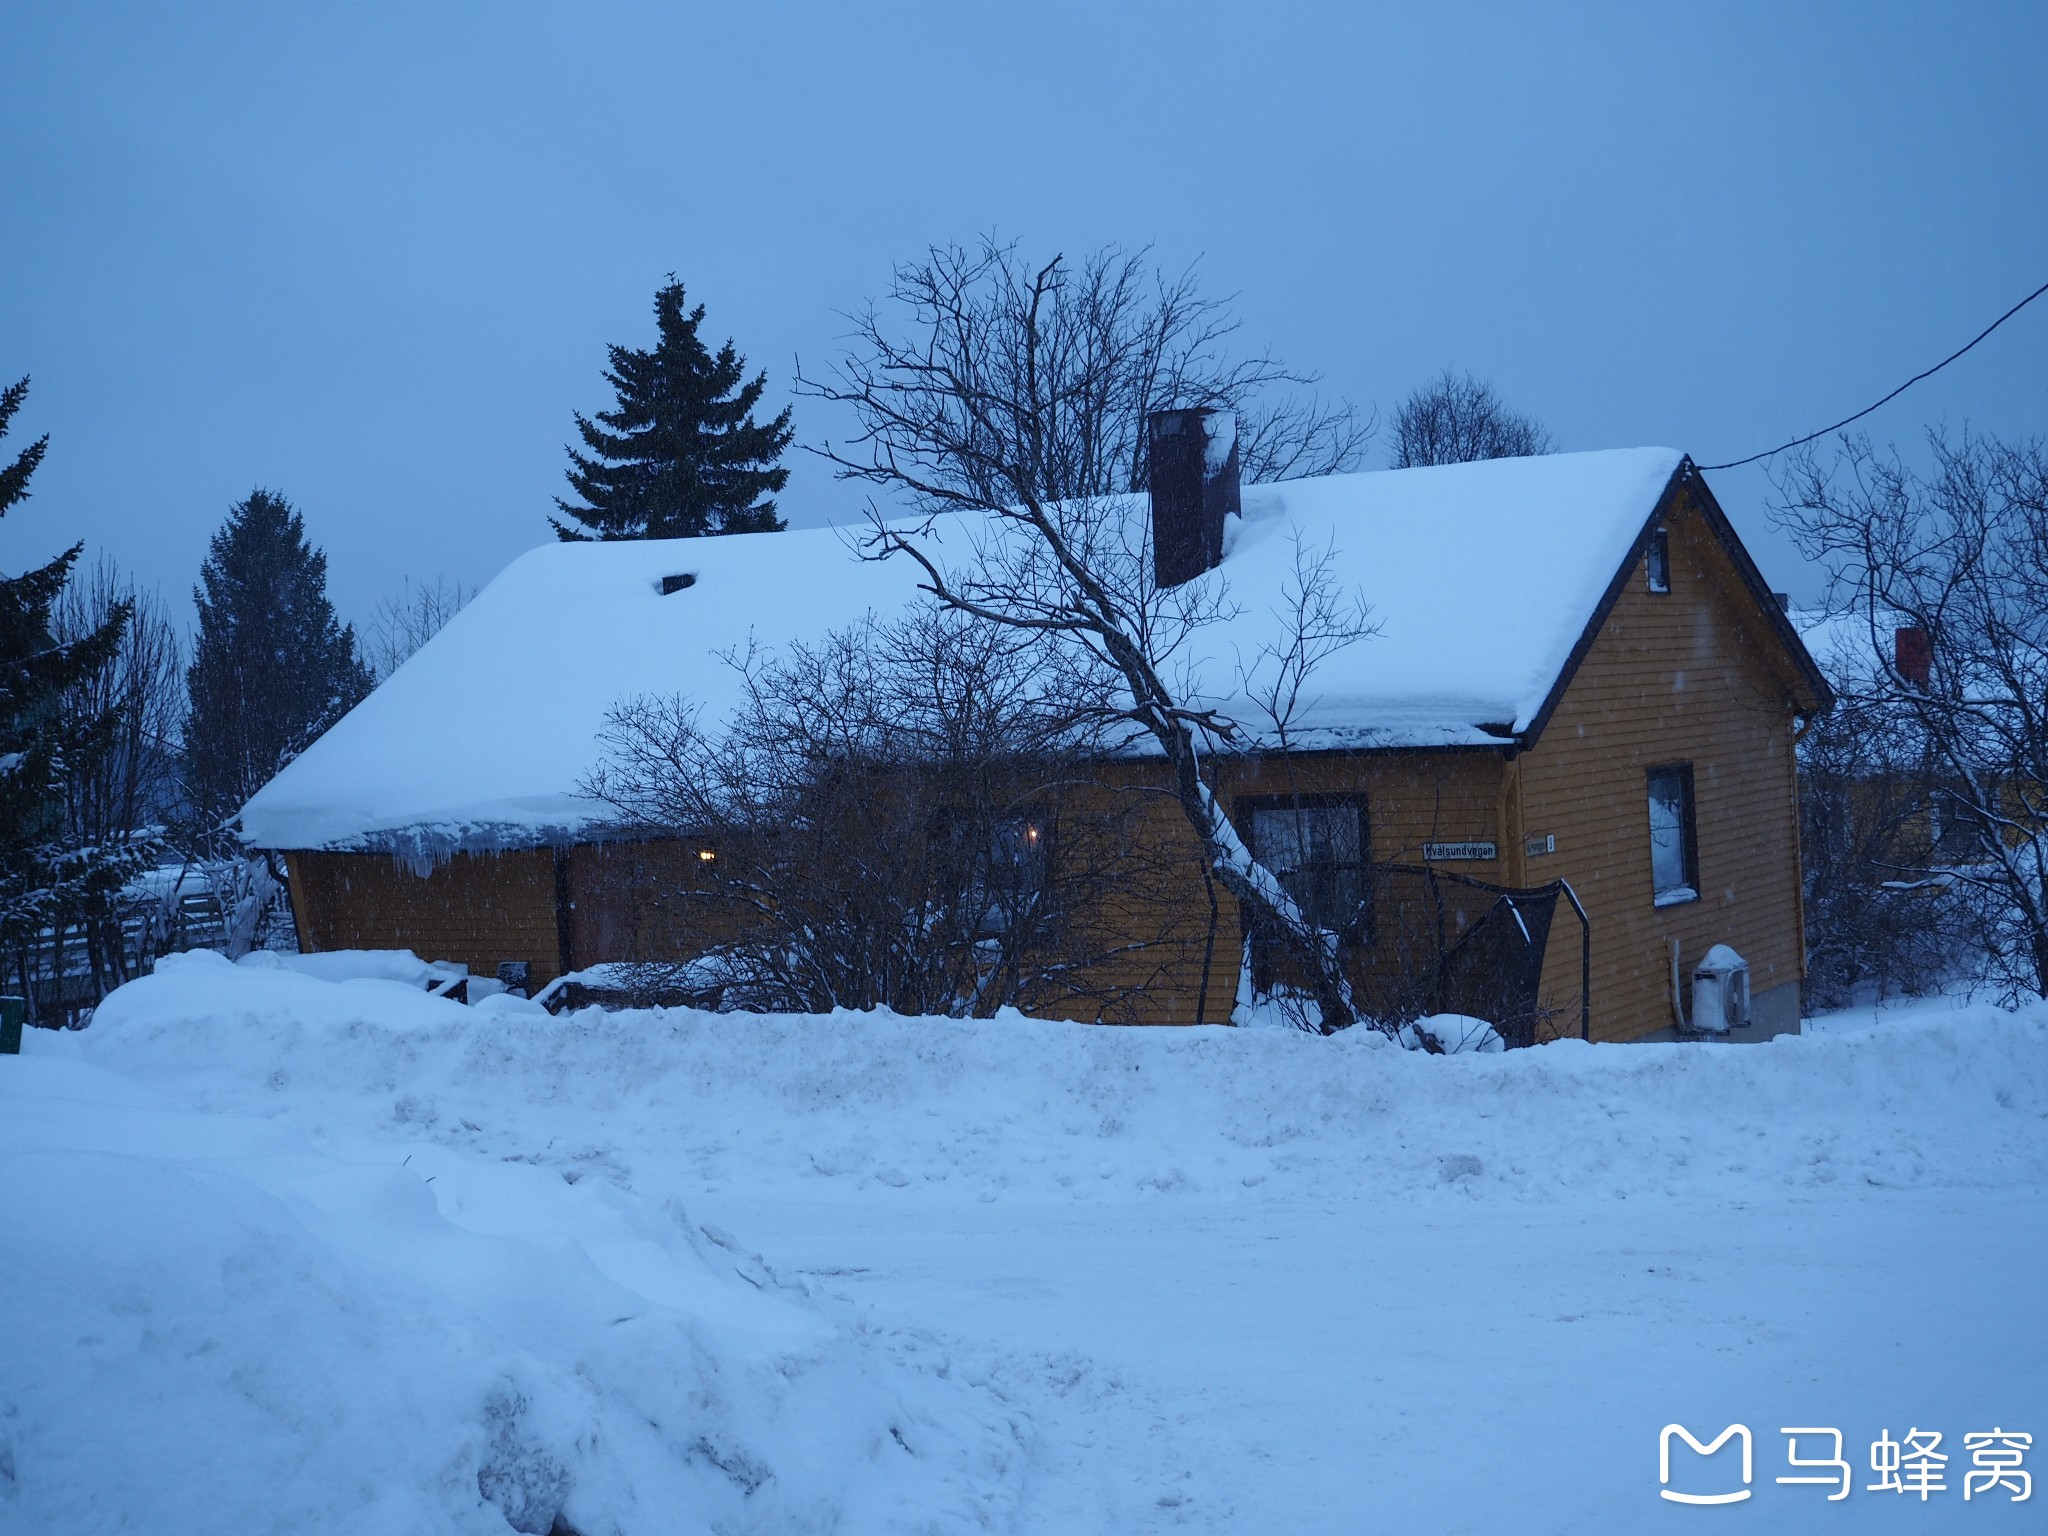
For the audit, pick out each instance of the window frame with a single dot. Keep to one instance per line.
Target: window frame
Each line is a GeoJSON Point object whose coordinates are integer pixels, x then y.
{"type": "Point", "coordinates": [1246, 807]}
{"type": "Point", "coordinates": [1013, 886]}
{"type": "Point", "coordinates": [1689, 847]}
{"type": "Point", "coordinates": [1657, 562]}
{"type": "Point", "coordinates": [1030, 830]}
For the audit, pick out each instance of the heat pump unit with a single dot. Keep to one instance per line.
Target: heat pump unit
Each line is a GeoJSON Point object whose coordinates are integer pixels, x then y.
{"type": "Point", "coordinates": [1720, 991]}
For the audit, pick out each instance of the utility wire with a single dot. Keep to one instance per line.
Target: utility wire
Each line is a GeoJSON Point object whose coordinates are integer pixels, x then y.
{"type": "Point", "coordinates": [1887, 400]}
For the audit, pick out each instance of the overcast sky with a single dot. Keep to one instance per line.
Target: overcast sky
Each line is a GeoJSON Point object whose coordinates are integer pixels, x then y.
{"type": "Point", "coordinates": [369, 255]}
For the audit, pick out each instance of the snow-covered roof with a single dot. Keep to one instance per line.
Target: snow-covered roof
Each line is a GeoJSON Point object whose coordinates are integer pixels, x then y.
{"type": "Point", "coordinates": [1480, 579]}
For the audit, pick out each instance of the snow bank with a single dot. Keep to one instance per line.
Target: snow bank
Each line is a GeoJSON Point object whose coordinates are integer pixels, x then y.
{"type": "Point", "coordinates": [214, 1323]}
{"type": "Point", "coordinates": [1016, 1108]}
{"type": "Point", "coordinates": [400, 965]}
{"type": "Point", "coordinates": [357, 1259]}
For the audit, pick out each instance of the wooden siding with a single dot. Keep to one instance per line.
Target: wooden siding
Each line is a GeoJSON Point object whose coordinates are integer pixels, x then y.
{"type": "Point", "coordinates": [477, 908]}
{"type": "Point", "coordinates": [620, 906]}
{"type": "Point", "coordinates": [1411, 798]}
{"type": "Point", "coordinates": [1688, 676]}
{"type": "Point", "coordinates": [484, 908]}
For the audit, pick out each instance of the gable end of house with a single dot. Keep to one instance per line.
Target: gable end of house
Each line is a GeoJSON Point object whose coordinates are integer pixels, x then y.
{"type": "Point", "coordinates": [1813, 695]}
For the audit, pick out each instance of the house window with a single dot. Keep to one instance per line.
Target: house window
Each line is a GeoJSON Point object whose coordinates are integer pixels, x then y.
{"type": "Point", "coordinates": [1674, 855]}
{"type": "Point", "coordinates": [1316, 846]}
{"type": "Point", "coordinates": [1011, 885]}
{"type": "Point", "coordinates": [1018, 857]}
{"type": "Point", "coordinates": [1660, 561]}
{"type": "Point", "coordinates": [1953, 834]}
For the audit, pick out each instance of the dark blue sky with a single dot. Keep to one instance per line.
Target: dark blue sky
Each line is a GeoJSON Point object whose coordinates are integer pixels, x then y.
{"type": "Point", "coordinates": [370, 255]}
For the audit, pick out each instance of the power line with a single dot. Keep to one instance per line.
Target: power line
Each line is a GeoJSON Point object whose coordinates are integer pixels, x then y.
{"type": "Point", "coordinates": [1887, 400]}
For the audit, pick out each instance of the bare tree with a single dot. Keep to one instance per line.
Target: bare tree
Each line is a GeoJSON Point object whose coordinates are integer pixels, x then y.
{"type": "Point", "coordinates": [1455, 419]}
{"type": "Point", "coordinates": [121, 783]}
{"type": "Point", "coordinates": [983, 392]}
{"type": "Point", "coordinates": [895, 818]}
{"type": "Point", "coordinates": [1882, 918]}
{"type": "Point", "coordinates": [133, 784]}
{"type": "Point", "coordinates": [1945, 574]}
{"type": "Point", "coordinates": [408, 619]}
{"type": "Point", "coordinates": [129, 790]}
{"type": "Point", "coordinates": [1124, 339]}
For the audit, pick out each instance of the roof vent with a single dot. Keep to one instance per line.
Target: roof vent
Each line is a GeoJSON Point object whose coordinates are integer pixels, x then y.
{"type": "Point", "coordinates": [678, 582]}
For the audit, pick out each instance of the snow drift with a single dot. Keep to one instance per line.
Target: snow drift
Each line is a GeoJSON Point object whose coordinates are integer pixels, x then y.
{"type": "Point", "coordinates": [216, 1324]}
{"type": "Point", "coordinates": [357, 1259]}
{"type": "Point", "coordinates": [1018, 1106]}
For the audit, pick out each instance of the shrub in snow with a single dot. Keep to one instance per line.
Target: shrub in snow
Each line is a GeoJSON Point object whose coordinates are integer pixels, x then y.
{"type": "Point", "coordinates": [887, 820]}
{"type": "Point", "coordinates": [1452, 1034]}
{"type": "Point", "coordinates": [1459, 1165]}
{"type": "Point", "coordinates": [246, 890]}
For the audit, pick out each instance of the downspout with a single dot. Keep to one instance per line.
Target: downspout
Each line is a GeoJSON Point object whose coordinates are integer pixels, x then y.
{"type": "Point", "coordinates": [1508, 818]}
{"type": "Point", "coordinates": [1677, 997]}
{"type": "Point", "coordinates": [565, 923]}
{"type": "Point", "coordinates": [1799, 854]}
{"type": "Point", "coordinates": [1585, 961]}
{"type": "Point", "coordinates": [1208, 946]}
{"type": "Point", "coordinates": [291, 900]}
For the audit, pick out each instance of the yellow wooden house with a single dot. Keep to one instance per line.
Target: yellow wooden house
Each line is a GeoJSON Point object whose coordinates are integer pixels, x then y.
{"type": "Point", "coordinates": [1578, 684]}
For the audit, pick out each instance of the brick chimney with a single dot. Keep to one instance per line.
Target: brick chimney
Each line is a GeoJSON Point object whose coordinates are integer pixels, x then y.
{"type": "Point", "coordinates": [1194, 485]}
{"type": "Point", "coordinates": [1913, 654]}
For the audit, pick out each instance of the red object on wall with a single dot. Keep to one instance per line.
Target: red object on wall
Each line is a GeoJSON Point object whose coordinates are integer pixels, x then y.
{"type": "Point", "coordinates": [1913, 654]}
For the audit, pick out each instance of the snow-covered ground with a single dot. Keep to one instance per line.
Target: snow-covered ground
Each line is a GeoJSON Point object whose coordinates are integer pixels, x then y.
{"type": "Point", "coordinates": [289, 1253]}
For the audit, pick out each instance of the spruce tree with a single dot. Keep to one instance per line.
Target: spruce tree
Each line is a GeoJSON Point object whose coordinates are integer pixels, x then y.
{"type": "Point", "coordinates": [46, 878]}
{"type": "Point", "coordinates": [273, 666]}
{"type": "Point", "coordinates": [681, 454]}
